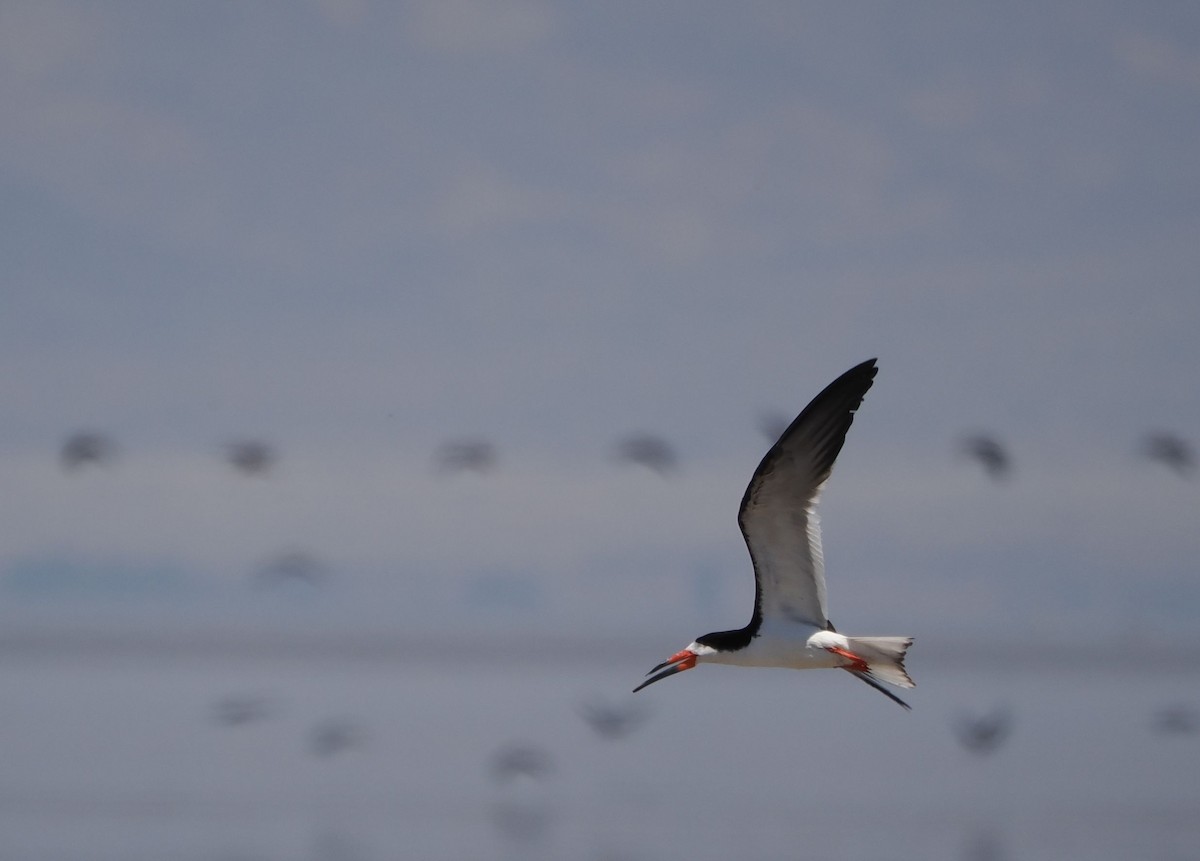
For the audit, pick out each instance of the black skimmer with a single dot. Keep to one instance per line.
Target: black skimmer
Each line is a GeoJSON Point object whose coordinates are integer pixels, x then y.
{"type": "Point", "coordinates": [1171, 451]}
{"type": "Point", "coordinates": [652, 452]}
{"type": "Point", "coordinates": [1177, 719]}
{"type": "Point", "coordinates": [521, 760]}
{"type": "Point", "coordinates": [984, 734]}
{"type": "Point", "coordinates": [86, 447]}
{"type": "Point", "coordinates": [523, 809]}
{"type": "Point", "coordinates": [334, 736]}
{"type": "Point", "coordinates": [250, 456]}
{"type": "Point", "coordinates": [991, 455]}
{"type": "Point", "coordinates": [241, 710]}
{"type": "Point", "coordinates": [474, 455]}
{"type": "Point", "coordinates": [778, 517]}
{"type": "Point", "coordinates": [294, 566]}
{"type": "Point", "coordinates": [610, 720]}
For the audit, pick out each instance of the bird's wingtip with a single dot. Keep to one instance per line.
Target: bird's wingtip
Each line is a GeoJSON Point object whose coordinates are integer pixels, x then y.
{"type": "Point", "coordinates": [877, 686]}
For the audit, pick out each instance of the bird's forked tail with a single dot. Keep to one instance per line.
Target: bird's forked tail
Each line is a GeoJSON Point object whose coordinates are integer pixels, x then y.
{"type": "Point", "coordinates": [884, 657]}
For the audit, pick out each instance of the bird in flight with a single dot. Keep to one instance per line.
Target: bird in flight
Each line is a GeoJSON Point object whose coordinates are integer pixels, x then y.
{"type": "Point", "coordinates": [610, 720]}
{"type": "Point", "coordinates": [984, 734]}
{"type": "Point", "coordinates": [472, 455]}
{"type": "Point", "coordinates": [1170, 450]}
{"type": "Point", "coordinates": [778, 517]}
{"type": "Point", "coordinates": [990, 454]}
{"type": "Point", "coordinates": [650, 451]}
{"type": "Point", "coordinates": [250, 456]}
{"type": "Point", "coordinates": [86, 447]}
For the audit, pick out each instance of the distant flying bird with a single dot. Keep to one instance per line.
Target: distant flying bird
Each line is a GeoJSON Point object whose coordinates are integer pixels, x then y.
{"type": "Point", "coordinates": [523, 808]}
{"type": "Point", "coordinates": [1171, 451]}
{"type": "Point", "coordinates": [84, 448]}
{"type": "Point", "coordinates": [250, 457]}
{"type": "Point", "coordinates": [990, 454]}
{"type": "Point", "coordinates": [1177, 719]}
{"type": "Point", "coordinates": [335, 736]}
{"type": "Point", "coordinates": [239, 710]}
{"type": "Point", "coordinates": [473, 455]}
{"type": "Point", "coordinates": [650, 451]}
{"type": "Point", "coordinates": [521, 760]}
{"type": "Point", "coordinates": [612, 721]}
{"type": "Point", "coordinates": [984, 734]}
{"type": "Point", "coordinates": [778, 518]}
{"type": "Point", "coordinates": [294, 566]}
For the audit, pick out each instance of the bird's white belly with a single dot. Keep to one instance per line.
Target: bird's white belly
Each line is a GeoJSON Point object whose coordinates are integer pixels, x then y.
{"type": "Point", "coordinates": [793, 648]}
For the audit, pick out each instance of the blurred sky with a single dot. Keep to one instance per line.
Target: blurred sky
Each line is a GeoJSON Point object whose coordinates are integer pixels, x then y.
{"type": "Point", "coordinates": [359, 230]}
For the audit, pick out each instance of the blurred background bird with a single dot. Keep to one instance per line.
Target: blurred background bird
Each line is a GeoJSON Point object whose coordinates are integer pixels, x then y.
{"type": "Point", "coordinates": [986, 733]}
{"type": "Point", "coordinates": [652, 452]}
{"type": "Point", "coordinates": [466, 455]}
{"type": "Point", "coordinates": [251, 456]}
{"type": "Point", "coordinates": [612, 720]}
{"type": "Point", "coordinates": [1171, 450]}
{"type": "Point", "coordinates": [334, 736]}
{"type": "Point", "coordinates": [292, 566]}
{"type": "Point", "coordinates": [1176, 719]}
{"type": "Point", "coordinates": [987, 451]}
{"type": "Point", "coordinates": [520, 759]}
{"type": "Point", "coordinates": [241, 709]}
{"type": "Point", "coordinates": [86, 448]}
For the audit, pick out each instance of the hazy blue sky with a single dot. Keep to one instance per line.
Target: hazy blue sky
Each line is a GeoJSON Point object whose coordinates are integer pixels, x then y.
{"type": "Point", "coordinates": [360, 229]}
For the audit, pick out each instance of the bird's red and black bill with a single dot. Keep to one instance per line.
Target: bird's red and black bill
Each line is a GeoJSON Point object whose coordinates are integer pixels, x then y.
{"type": "Point", "coordinates": [677, 663]}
